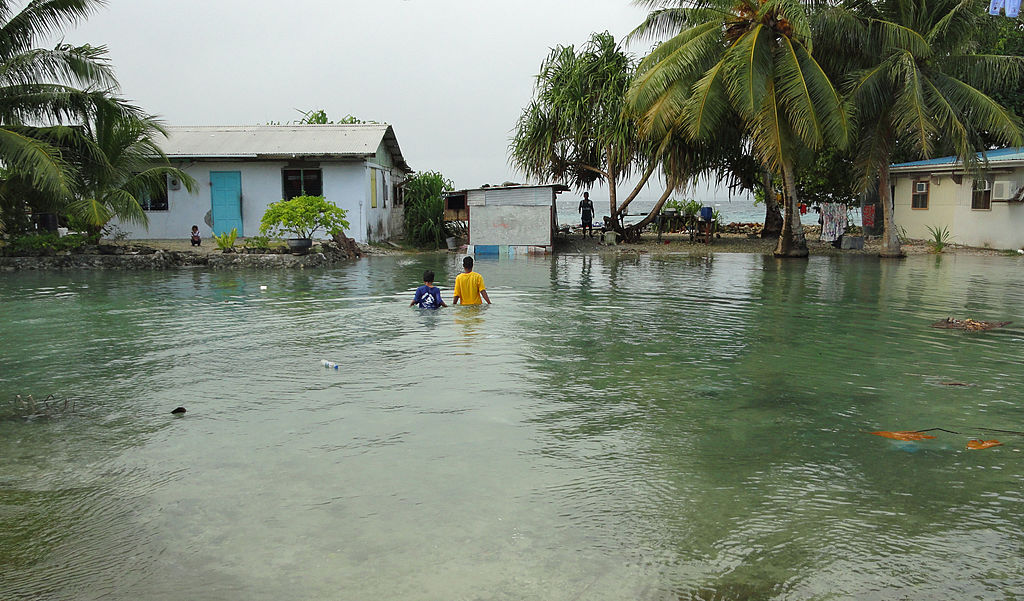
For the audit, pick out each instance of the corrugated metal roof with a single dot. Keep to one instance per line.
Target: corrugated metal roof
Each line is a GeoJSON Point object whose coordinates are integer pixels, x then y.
{"type": "Point", "coordinates": [1002, 154]}
{"type": "Point", "coordinates": [281, 141]}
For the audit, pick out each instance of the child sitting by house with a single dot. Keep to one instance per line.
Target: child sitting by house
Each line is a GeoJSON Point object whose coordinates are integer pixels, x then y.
{"type": "Point", "coordinates": [196, 238]}
{"type": "Point", "coordinates": [428, 296]}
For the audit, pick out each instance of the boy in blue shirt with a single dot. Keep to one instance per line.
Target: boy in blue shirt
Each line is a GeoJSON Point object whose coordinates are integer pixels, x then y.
{"type": "Point", "coordinates": [428, 296]}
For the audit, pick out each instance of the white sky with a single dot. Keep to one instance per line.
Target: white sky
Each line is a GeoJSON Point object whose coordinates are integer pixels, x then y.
{"type": "Point", "coordinates": [451, 76]}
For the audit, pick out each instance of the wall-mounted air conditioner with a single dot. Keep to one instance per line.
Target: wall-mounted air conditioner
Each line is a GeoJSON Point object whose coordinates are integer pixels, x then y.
{"type": "Point", "coordinates": [1002, 189]}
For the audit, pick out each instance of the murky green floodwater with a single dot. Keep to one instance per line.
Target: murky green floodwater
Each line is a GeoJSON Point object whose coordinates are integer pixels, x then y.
{"type": "Point", "coordinates": [612, 428]}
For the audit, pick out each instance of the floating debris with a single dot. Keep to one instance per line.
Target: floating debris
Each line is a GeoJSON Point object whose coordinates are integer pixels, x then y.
{"type": "Point", "coordinates": [178, 411]}
{"type": "Point", "coordinates": [903, 435]}
{"type": "Point", "coordinates": [974, 444]}
{"type": "Point", "coordinates": [971, 325]}
{"type": "Point", "coordinates": [954, 383]}
{"type": "Point", "coordinates": [29, 408]}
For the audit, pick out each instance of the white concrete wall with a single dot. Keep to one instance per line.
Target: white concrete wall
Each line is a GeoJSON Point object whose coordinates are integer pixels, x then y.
{"type": "Point", "coordinates": [346, 184]}
{"type": "Point", "coordinates": [509, 224]}
{"type": "Point", "coordinates": [949, 205]}
{"type": "Point", "coordinates": [943, 199]}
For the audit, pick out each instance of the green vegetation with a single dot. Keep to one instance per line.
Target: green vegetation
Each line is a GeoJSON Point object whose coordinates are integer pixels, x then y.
{"type": "Point", "coordinates": [940, 238]}
{"type": "Point", "coordinates": [425, 226]}
{"type": "Point", "coordinates": [302, 217]}
{"type": "Point", "coordinates": [791, 100]}
{"type": "Point", "coordinates": [121, 167]}
{"type": "Point", "coordinates": [258, 243]}
{"type": "Point", "coordinates": [226, 241]}
{"type": "Point", "coordinates": [46, 243]}
{"type": "Point", "coordinates": [576, 131]}
{"type": "Point", "coordinates": [916, 84]}
{"type": "Point", "coordinates": [742, 61]}
{"type": "Point", "coordinates": [69, 146]}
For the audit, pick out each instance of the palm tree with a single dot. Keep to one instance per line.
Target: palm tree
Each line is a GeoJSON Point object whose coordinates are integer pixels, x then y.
{"type": "Point", "coordinates": [41, 90]}
{"type": "Point", "coordinates": [121, 165]}
{"type": "Point", "coordinates": [919, 84]}
{"type": "Point", "coordinates": [745, 59]}
{"type": "Point", "coordinates": [574, 130]}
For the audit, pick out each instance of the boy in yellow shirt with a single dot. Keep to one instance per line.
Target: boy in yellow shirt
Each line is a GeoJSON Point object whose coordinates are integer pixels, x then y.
{"type": "Point", "coordinates": [469, 286]}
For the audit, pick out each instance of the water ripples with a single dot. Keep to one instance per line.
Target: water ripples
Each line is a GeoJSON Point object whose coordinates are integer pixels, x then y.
{"type": "Point", "coordinates": [613, 427]}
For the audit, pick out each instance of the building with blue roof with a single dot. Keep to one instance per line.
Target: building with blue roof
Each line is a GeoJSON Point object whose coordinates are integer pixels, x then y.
{"type": "Point", "coordinates": [981, 207]}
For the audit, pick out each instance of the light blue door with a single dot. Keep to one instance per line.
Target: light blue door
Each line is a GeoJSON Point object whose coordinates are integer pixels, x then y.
{"type": "Point", "coordinates": [226, 199]}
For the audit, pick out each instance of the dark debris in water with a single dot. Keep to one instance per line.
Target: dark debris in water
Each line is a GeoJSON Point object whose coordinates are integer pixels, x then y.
{"type": "Point", "coordinates": [971, 325]}
{"type": "Point", "coordinates": [28, 407]}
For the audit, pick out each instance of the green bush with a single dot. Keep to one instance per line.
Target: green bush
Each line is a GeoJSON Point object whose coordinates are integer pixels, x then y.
{"type": "Point", "coordinates": [258, 242]}
{"type": "Point", "coordinates": [45, 243]}
{"type": "Point", "coordinates": [302, 216]}
{"type": "Point", "coordinates": [226, 241]}
{"type": "Point", "coordinates": [940, 238]}
{"type": "Point", "coordinates": [424, 209]}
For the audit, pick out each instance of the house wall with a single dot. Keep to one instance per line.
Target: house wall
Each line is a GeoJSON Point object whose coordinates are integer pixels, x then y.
{"type": "Point", "coordinates": [949, 205]}
{"type": "Point", "coordinates": [510, 225]}
{"type": "Point", "coordinates": [346, 184]}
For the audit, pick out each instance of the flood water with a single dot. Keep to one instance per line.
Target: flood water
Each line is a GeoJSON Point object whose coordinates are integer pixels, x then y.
{"type": "Point", "coordinates": [612, 428]}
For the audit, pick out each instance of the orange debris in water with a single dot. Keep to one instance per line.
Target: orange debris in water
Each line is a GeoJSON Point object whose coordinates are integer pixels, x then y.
{"type": "Point", "coordinates": [903, 435]}
{"type": "Point", "coordinates": [977, 445]}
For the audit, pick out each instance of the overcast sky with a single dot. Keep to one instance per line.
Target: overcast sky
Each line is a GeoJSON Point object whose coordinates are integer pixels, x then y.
{"type": "Point", "coordinates": [451, 76]}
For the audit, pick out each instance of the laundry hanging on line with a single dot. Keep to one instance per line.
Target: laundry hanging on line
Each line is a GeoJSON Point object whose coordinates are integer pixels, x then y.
{"type": "Point", "coordinates": [1010, 8]}
{"type": "Point", "coordinates": [833, 221]}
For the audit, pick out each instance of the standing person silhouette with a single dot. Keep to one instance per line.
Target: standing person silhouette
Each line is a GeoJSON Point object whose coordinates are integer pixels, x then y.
{"type": "Point", "coordinates": [469, 286]}
{"type": "Point", "coordinates": [586, 210]}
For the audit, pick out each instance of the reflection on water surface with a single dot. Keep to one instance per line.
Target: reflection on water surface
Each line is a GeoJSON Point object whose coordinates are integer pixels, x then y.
{"type": "Point", "coordinates": [611, 428]}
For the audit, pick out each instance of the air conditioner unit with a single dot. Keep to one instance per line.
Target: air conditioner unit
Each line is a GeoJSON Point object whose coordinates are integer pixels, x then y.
{"type": "Point", "coordinates": [1002, 190]}
{"type": "Point", "coordinates": [173, 183]}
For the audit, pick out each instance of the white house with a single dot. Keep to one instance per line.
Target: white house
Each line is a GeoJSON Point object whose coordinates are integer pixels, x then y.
{"type": "Point", "coordinates": [240, 170]}
{"type": "Point", "coordinates": [980, 209]}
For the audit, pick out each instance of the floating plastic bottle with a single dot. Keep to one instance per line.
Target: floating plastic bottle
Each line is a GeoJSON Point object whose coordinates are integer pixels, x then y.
{"type": "Point", "coordinates": [329, 364]}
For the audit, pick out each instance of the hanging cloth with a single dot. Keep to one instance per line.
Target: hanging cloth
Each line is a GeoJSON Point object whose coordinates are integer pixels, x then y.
{"type": "Point", "coordinates": [1012, 8]}
{"type": "Point", "coordinates": [833, 221]}
{"type": "Point", "coordinates": [995, 6]}
{"type": "Point", "coordinates": [868, 216]}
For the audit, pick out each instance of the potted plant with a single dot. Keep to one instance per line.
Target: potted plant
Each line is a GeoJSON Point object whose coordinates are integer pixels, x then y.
{"type": "Point", "coordinates": [302, 217]}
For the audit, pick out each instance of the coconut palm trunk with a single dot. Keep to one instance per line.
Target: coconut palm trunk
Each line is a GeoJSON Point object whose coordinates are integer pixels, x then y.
{"type": "Point", "coordinates": [792, 242]}
{"type": "Point", "coordinates": [891, 247]}
{"type": "Point", "coordinates": [772, 213]}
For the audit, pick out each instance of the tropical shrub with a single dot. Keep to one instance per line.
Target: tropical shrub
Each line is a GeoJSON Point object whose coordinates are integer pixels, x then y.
{"type": "Point", "coordinates": [302, 217]}
{"type": "Point", "coordinates": [45, 243]}
{"type": "Point", "coordinates": [940, 238]}
{"type": "Point", "coordinates": [424, 209]}
{"type": "Point", "coordinates": [258, 242]}
{"type": "Point", "coordinates": [226, 241]}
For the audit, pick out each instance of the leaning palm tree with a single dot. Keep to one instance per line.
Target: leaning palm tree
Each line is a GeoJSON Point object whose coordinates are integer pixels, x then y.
{"type": "Point", "coordinates": [121, 164]}
{"type": "Point", "coordinates": [744, 59]}
{"type": "Point", "coordinates": [42, 89]}
{"type": "Point", "coordinates": [918, 81]}
{"type": "Point", "coordinates": [574, 132]}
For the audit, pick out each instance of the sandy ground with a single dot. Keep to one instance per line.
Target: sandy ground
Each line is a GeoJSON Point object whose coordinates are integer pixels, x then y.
{"type": "Point", "coordinates": [670, 244]}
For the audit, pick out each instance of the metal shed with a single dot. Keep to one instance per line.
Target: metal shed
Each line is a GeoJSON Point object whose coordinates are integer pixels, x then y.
{"type": "Point", "coordinates": [502, 216]}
